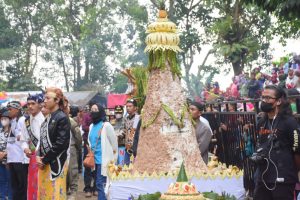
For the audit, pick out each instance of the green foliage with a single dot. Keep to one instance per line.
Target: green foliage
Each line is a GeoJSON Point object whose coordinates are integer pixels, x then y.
{"type": "Point", "coordinates": [141, 77]}
{"type": "Point", "coordinates": [119, 84]}
{"type": "Point", "coordinates": [162, 5]}
{"type": "Point", "coordinates": [286, 9]}
{"type": "Point", "coordinates": [154, 196]}
{"type": "Point", "coordinates": [215, 196]}
{"type": "Point", "coordinates": [242, 33]}
{"type": "Point", "coordinates": [287, 12]}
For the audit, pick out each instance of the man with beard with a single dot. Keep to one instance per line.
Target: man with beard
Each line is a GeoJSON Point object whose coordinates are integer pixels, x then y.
{"type": "Point", "coordinates": [278, 147]}
{"type": "Point", "coordinates": [30, 126]}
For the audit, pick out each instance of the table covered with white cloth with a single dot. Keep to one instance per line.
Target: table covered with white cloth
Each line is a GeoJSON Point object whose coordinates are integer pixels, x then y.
{"type": "Point", "coordinates": [123, 189]}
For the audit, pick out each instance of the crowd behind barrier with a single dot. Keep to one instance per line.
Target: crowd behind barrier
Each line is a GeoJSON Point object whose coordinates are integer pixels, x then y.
{"type": "Point", "coordinates": [234, 133]}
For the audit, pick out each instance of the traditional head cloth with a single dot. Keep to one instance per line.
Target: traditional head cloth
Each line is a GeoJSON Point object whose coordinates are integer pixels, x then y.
{"type": "Point", "coordinates": [39, 98]}
{"type": "Point", "coordinates": [132, 101]}
{"type": "Point", "coordinates": [14, 104]}
{"type": "Point", "coordinates": [200, 106]}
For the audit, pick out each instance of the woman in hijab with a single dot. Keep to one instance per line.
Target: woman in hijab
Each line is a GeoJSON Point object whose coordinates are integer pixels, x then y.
{"type": "Point", "coordinates": [103, 142]}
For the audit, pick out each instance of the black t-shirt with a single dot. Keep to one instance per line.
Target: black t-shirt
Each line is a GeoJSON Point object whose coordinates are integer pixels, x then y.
{"type": "Point", "coordinates": [285, 145]}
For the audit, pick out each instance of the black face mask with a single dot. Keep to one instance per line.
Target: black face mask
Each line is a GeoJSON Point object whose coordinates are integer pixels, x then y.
{"type": "Point", "coordinates": [266, 107]}
{"type": "Point", "coordinates": [96, 117]}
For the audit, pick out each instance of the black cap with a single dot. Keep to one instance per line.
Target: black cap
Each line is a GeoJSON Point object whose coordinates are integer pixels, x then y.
{"type": "Point", "coordinates": [200, 106]}
{"type": "Point", "coordinates": [119, 109]}
{"type": "Point", "coordinates": [5, 114]}
{"type": "Point", "coordinates": [132, 101]}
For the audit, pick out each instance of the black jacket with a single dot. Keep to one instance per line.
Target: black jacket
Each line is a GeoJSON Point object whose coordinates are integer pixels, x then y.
{"type": "Point", "coordinates": [59, 134]}
{"type": "Point", "coordinates": [285, 146]}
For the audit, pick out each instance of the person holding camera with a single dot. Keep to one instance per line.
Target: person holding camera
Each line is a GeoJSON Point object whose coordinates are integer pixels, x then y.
{"type": "Point", "coordinates": [278, 147]}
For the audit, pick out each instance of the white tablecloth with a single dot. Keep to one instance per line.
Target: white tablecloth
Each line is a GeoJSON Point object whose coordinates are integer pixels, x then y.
{"type": "Point", "coordinates": [123, 189]}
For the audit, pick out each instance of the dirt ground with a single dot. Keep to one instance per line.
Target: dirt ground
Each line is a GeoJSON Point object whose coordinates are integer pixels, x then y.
{"type": "Point", "coordinates": [80, 193]}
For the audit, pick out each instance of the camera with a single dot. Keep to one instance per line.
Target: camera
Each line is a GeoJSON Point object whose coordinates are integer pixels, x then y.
{"type": "Point", "coordinates": [259, 155]}
{"type": "Point", "coordinates": [263, 150]}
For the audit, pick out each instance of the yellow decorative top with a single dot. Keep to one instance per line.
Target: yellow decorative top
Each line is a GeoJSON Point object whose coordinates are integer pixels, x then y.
{"type": "Point", "coordinates": [162, 35]}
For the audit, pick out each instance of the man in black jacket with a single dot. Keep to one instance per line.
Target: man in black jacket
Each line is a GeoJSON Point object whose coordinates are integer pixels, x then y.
{"type": "Point", "coordinates": [54, 141]}
{"type": "Point", "coordinates": [278, 147]}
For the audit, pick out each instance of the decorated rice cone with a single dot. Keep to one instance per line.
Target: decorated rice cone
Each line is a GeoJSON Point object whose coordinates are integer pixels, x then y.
{"type": "Point", "coordinates": [167, 136]}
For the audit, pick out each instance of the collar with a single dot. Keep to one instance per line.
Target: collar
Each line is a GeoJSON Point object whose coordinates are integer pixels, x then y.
{"type": "Point", "coordinates": [131, 117]}
{"type": "Point", "coordinates": [37, 116]}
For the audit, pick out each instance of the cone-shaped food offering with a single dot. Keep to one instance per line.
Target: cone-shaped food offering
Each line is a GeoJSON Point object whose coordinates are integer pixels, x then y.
{"type": "Point", "coordinates": [167, 136]}
{"type": "Point", "coordinates": [182, 189]}
{"type": "Point", "coordinates": [182, 177]}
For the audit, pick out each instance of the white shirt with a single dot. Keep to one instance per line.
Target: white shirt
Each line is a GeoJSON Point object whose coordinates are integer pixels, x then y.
{"type": "Point", "coordinates": [15, 153]}
{"type": "Point", "coordinates": [206, 122]}
{"type": "Point", "coordinates": [291, 81]}
{"type": "Point", "coordinates": [35, 125]}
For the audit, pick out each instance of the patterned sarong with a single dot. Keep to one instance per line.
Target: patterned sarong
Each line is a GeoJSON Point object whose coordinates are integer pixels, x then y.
{"type": "Point", "coordinates": [32, 188]}
{"type": "Point", "coordinates": [52, 189]}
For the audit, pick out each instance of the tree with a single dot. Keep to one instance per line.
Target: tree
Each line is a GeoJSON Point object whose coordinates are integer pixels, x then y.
{"type": "Point", "coordinates": [286, 9]}
{"type": "Point", "coordinates": [287, 12]}
{"type": "Point", "coordinates": [84, 36]}
{"type": "Point", "coordinates": [119, 83]}
{"type": "Point", "coordinates": [136, 18]}
{"type": "Point", "coordinates": [242, 32]}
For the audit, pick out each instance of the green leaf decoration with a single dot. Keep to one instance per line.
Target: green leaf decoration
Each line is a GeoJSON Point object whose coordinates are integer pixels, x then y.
{"type": "Point", "coordinates": [170, 112]}
{"type": "Point", "coordinates": [182, 177]}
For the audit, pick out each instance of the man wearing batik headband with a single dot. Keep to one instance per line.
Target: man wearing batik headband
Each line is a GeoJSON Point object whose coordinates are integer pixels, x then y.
{"type": "Point", "coordinates": [30, 126]}
{"type": "Point", "coordinates": [52, 156]}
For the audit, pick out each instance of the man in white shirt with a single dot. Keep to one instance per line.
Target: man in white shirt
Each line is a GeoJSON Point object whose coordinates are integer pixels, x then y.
{"type": "Point", "coordinates": [30, 135]}
{"type": "Point", "coordinates": [291, 80]}
{"type": "Point", "coordinates": [18, 164]}
{"type": "Point", "coordinates": [31, 125]}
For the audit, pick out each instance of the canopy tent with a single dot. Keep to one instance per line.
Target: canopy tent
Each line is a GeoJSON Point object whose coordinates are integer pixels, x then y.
{"type": "Point", "coordinates": [82, 98]}
{"type": "Point", "coordinates": [114, 100]}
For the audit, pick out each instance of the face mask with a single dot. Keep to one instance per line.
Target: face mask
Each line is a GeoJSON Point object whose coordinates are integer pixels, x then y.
{"type": "Point", "coordinates": [119, 116]}
{"type": "Point", "coordinates": [266, 107]}
{"type": "Point", "coordinates": [4, 122]}
{"type": "Point", "coordinates": [96, 117]}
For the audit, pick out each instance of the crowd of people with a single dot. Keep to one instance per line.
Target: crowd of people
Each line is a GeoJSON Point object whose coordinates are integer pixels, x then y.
{"type": "Point", "coordinates": [41, 144]}
{"type": "Point", "coordinates": [249, 86]}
